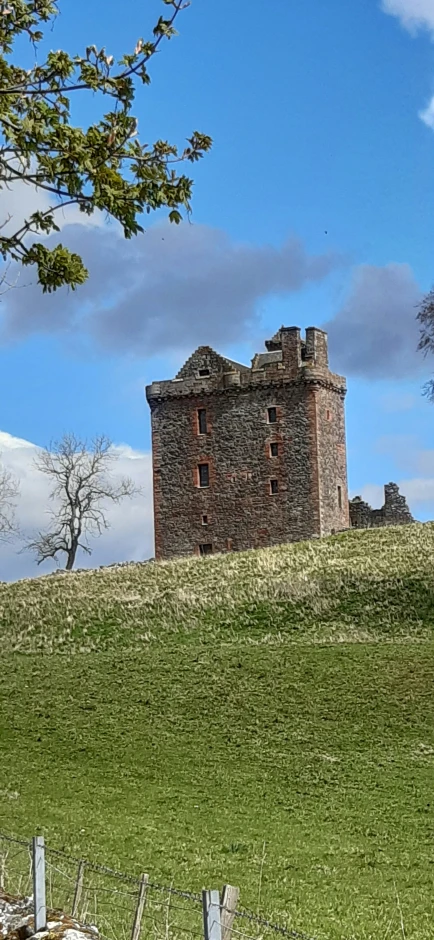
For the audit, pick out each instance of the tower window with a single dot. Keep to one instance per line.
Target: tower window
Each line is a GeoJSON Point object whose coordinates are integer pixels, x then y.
{"type": "Point", "coordinates": [205, 549]}
{"type": "Point", "coordinates": [204, 520]}
{"type": "Point", "coordinates": [340, 497]}
{"type": "Point", "coordinates": [274, 449]}
{"type": "Point", "coordinates": [203, 371]}
{"type": "Point", "coordinates": [272, 415]}
{"type": "Point", "coordinates": [201, 420]}
{"type": "Point", "coordinates": [328, 415]}
{"type": "Point", "coordinates": [204, 474]}
{"type": "Point", "coordinates": [274, 487]}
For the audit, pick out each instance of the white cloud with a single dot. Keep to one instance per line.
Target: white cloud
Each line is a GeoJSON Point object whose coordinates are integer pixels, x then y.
{"type": "Point", "coordinates": [413, 14]}
{"type": "Point", "coordinates": [19, 200]}
{"type": "Point", "coordinates": [130, 537]}
{"type": "Point", "coordinates": [427, 114]}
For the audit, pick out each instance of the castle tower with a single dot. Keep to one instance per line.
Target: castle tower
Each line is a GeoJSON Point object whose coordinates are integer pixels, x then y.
{"type": "Point", "coordinates": [245, 457]}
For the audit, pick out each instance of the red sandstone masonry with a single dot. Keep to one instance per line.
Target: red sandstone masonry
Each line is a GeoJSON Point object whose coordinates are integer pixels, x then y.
{"type": "Point", "coordinates": [315, 489]}
{"type": "Point", "coordinates": [241, 511]}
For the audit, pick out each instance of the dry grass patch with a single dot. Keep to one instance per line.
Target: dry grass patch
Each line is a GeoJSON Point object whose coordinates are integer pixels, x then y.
{"type": "Point", "coordinates": [346, 587]}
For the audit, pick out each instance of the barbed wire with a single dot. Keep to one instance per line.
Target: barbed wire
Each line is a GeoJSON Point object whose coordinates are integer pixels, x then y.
{"type": "Point", "coordinates": [26, 842]}
{"type": "Point", "coordinates": [263, 922]}
{"type": "Point", "coordinates": [98, 889]}
{"type": "Point", "coordinates": [170, 890]}
{"type": "Point", "coordinates": [133, 879]}
{"type": "Point", "coordinates": [104, 869]}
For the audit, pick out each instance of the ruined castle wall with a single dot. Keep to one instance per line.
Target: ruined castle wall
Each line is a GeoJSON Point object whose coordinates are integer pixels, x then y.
{"type": "Point", "coordinates": [360, 514]}
{"type": "Point", "coordinates": [240, 510]}
{"type": "Point", "coordinates": [394, 511]}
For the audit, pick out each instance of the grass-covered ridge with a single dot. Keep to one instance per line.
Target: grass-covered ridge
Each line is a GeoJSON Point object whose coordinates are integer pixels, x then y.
{"type": "Point", "coordinates": [355, 586]}
{"type": "Point", "coordinates": [264, 719]}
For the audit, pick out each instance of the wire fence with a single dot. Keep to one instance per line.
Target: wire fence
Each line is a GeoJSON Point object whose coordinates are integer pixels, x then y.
{"type": "Point", "coordinates": [127, 907]}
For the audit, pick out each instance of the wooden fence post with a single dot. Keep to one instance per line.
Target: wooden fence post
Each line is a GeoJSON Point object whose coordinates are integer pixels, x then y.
{"type": "Point", "coordinates": [3, 871]}
{"type": "Point", "coordinates": [78, 888]}
{"type": "Point", "coordinates": [141, 900]}
{"type": "Point", "coordinates": [229, 901]}
{"type": "Point", "coordinates": [211, 915]}
{"type": "Point", "coordinates": [38, 846]}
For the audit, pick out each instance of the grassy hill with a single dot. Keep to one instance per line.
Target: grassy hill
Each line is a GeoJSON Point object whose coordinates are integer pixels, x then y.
{"type": "Point", "coordinates": [264, 718]}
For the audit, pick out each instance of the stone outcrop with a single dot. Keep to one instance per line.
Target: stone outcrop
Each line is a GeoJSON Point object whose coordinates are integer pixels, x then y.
{"type": "Point", "coordinates": [394, 512]}
{"type": "Point", "coordinates": [17, 922]}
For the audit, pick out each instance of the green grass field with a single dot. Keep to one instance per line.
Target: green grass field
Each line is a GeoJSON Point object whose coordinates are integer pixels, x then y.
{"type": "Point", "coordinates": [264, 719]}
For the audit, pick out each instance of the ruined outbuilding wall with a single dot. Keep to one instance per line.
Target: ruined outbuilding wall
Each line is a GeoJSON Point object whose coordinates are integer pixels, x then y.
{"type": "Point", "coordinates": [394, 511]}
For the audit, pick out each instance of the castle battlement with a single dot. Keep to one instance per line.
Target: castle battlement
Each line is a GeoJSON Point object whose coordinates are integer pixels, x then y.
{"type": "Point", "coordinates": [289, 358]}
{"type": "Point", "coordinates": [249, 456]}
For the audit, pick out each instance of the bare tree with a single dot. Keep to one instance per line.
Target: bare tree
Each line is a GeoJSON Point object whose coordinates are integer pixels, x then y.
{"type": "Point", "coordinates": [82, 488]}
{"type": "Point", "coordinates": [9, 490]}
{"type": "Point", "coordinates": [426, 342]}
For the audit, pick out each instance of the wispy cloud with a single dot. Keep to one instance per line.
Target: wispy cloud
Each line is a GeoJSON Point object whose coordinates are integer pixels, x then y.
{"type": "Point", "coordinates": [19, 200]}
{"type": "Point", "coordinates": [414, 15]}
{"type": "Point", "coordinates": [427, 114]}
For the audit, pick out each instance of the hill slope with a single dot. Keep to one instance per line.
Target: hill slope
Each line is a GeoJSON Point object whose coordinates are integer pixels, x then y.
{"type": "Point", "coordinates": [358, 585]}
{"type": "Point", "coordinates": [262, 719]}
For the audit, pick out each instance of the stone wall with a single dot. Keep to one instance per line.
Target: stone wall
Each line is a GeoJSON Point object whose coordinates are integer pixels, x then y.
{"type": "Point", "coordinates": [394, 511]}
{"type": "Point", "coordinates": [238, 510]}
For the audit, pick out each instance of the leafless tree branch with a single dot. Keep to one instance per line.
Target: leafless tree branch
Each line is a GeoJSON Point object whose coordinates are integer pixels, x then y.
{"type": "Point", "coordinates": [9, 491]}
{"type": "Point", "coordinates": [83, 486]}
{"type": "Point", "coordinates": [426, 341]}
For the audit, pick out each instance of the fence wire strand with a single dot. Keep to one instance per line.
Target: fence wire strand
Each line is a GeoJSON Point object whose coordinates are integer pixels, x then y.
{"type": "Point", "coordinates": [112, 910]}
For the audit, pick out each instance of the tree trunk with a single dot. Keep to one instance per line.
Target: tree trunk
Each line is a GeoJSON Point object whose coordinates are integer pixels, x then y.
{"type": "Point", "coordinates": [71, 555]}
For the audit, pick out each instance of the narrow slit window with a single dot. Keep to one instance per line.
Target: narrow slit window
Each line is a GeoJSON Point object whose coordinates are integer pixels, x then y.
{"type": "Point", "coordinates": [340, 497]}
{"type": "Point", "coordinates": [274, 487]}
{"type": "Point", "coordinates": [204, 520]}
{"type": "Point", "coordinates": [201, 420]}
{"type": "Point", "coordinates": [203, 474]}
{"type": "Point", "coordinates": [272, 415]}
{"type": "Point", "coordinates": [274, 449]}
{"type": "Point", "coordinates": [205, 549]}
{"type": "Point", "coordinates": [328, 416]}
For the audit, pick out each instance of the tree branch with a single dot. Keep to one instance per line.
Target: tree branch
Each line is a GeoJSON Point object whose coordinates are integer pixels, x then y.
{"type": "Point", "coordinates": [81, 489]}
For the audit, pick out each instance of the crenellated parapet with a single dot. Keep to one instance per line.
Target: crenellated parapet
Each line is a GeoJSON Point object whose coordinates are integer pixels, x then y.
{"type": "Point", "coordinates": [289, 359]}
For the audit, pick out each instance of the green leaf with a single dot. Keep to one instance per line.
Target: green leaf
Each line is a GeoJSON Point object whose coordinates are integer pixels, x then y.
{"type": "Point", "coordinates": [103, 166]}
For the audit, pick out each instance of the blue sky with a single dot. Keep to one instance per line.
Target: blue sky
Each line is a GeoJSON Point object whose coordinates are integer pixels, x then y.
{"type": "Point", "coordinates": [314, 109]}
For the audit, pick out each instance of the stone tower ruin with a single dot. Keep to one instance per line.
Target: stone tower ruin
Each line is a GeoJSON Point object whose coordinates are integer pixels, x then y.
{"type": "Point", "coordinates": [246, 457]}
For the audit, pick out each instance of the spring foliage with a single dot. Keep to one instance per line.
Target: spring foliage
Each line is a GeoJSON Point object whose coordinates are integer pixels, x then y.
{"type": "Point", "coordinates": [104, 166]}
